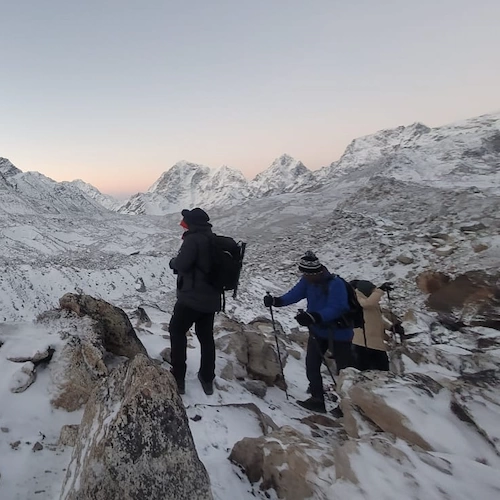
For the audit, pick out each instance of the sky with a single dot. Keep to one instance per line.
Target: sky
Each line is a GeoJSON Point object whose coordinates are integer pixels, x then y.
{"type": "Point", "coordinates": [115, 92]}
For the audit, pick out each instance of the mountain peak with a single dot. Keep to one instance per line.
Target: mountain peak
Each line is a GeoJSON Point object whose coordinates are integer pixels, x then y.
{"type": "Point", "coordinates": [419, 127]}
{"type": "Point", "coordinates": [181, 173]}
{"type": "Point", "coordinates": [286, 161]}
{"type": "Point", "coordinates": [286, 174]}
{"type": "Point", "coordinates": [184, 164]}
{"type": "Point", "coordinates": [188, 184]}
{"type": "Point", "coordinates": [7, 168]}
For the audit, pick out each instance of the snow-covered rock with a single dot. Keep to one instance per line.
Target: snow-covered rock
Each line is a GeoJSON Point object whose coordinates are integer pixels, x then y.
{"type": "Point", "coordinates": [23, 377]}
{"type": "Point", "coordinates": [110, 323]}
{"type": "Point", "coordinates": [252, 351]}
{"type": "Point", "coordinates": [287, 462]}
{"type": "Point", "coordinates": [134, 441]}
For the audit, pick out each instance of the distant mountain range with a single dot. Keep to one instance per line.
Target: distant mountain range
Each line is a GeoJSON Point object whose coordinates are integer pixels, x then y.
{"type": "Point", "coordinates": [458, 154]}
{"type": "Point", "coordinates": [26, 193]}
{"type": "Point", "coordinates": [188, 185]}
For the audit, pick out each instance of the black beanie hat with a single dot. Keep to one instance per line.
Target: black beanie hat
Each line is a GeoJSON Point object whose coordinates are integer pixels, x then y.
{"type": "Point", "coordinates": [309, 264]}
{"type": "Point", "coordinates": [197, 216]}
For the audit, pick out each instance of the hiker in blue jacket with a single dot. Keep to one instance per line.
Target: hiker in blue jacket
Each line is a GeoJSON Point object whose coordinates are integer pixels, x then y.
{"type": "Point", "coordinates": [327, 301]}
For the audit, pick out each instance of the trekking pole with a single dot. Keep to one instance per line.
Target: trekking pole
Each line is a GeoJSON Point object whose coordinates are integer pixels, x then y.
{"type": "Point", "coordinates": [277, 346]}
{"type": "Point", "coordinates": [242, 247]}
{"type": "Point", "coordinates": [316, 343]}
{"type": "Point", "coordinates": [393, 328]}
{"type": "Point", "coordinates": [393, 325]}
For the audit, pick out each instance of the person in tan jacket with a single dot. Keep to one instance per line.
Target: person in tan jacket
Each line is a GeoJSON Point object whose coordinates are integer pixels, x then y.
{"type": "Point", "coordinates": [369, 342]}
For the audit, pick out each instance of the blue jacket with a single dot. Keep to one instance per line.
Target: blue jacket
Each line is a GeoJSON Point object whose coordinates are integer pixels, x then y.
{"type": "Point", "coordinates": [329, 299]}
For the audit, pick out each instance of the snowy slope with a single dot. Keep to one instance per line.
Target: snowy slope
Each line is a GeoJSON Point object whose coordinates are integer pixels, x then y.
{"type": "Point", "coordinates": [93, 193]}
{"type": "Point", "coordinates": [467, 466]}
{"type": "Point", "coordinates": [359, 225]}
{"type": "Point", "coordinates": [463, 154]}
{"type": "Point", "coordinates": [34, 193]}
{"type": "Point", "coordinates": [7, 169]}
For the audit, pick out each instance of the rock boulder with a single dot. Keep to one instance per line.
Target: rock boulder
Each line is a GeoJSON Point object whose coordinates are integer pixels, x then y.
{"type": "Point", "coordinates": [134, 441]}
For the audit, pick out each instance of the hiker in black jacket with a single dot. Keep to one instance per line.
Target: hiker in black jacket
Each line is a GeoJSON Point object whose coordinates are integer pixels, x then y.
{"type": "Point", "coordinates": [197, 300]}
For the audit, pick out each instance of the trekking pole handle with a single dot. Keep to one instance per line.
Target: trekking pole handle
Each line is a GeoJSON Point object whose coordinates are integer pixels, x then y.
{"type": "Point", "coordinates": [268, 294]}
{"type": "Point", "coordinates": [271, 310]}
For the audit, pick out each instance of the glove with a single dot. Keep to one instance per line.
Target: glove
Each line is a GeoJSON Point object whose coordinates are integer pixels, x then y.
{"type": "Point", "coordinates": [269, 301]}
{"type": "Point", "coordinates": [308, 318]}
{"type": "Point", "coordinates": [386, 287]}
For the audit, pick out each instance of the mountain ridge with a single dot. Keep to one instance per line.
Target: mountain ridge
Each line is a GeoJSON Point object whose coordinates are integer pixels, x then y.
{"type": "Point", "coordinates": [413, 152]}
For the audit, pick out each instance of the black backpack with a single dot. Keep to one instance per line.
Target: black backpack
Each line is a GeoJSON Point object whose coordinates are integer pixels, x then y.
{"type": "Point", "coordinates": [226, 263]}
{"type": "Point", "coordinates": [354, 317]}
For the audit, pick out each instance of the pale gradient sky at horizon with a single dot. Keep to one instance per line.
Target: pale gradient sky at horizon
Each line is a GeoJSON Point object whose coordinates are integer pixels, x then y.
{"type": "Point", "coordinates": [115, 92]}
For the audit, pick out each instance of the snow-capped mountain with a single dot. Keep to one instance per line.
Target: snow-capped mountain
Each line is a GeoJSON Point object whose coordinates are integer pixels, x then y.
{"type": "Point", "coordinates": [285, 175]}
{"type": "Point", "coordinates": [93, 193]}
{"type": "Point", "coordinates": [34, 193]}
{"type": "Point", "coordinates": [188, 185]}
{"type": "Point", "coordinates": [463, 153]}
{"type": "Point", "coordinates": [460, 154]}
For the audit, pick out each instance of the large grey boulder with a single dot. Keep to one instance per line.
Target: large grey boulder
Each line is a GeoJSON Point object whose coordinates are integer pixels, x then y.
{"type": "Point", "coordinates": [253, 349]}
{"type": "Point", "coordinates": [93, 328]}
{"type": "Point", "coordinates": [449, 417]}
{"type": "Point", "coordinates": [286, 461]}
{"type": "Point", "coordinates": [111, 323]}
{"type": "Point", "coordinates": [134, 441]}
{"type": "Point", "coordinates": [75, 370]}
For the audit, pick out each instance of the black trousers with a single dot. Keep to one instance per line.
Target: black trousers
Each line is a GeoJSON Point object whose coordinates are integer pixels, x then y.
{"type": "Point", "coordinates": [371, 359]}
{"type": "Point", "coordinates": [316, 349]}
{"type": "Point", "coordinates": [182, 320]}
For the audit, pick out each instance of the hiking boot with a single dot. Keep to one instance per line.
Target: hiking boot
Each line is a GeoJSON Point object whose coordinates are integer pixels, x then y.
{"type": "Point", "coordinates": [181, 386]}
{"type": "Point", "coordinates": [208, 387]}
{"type": "Point", "coordinates": [313, 404]}
{"type": "Point", "coordinates": [332, 396]}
